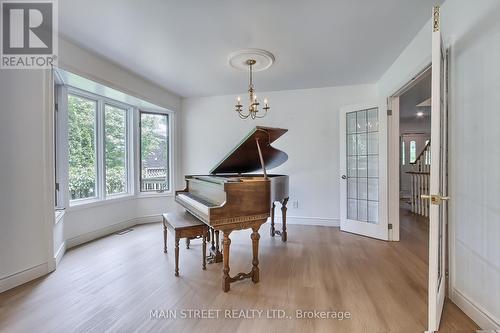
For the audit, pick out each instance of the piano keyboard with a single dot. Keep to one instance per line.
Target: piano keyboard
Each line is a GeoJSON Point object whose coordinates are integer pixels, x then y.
{"type": "Point", "coordinates": [196, 202]}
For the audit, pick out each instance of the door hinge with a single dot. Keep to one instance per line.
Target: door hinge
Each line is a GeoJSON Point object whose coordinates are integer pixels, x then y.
{"type": "Point", "coordinates": [389, 226]}
{"type": "Point", "coordinates": [56, 107]}
{"type": "Point", "coordinates": [57, 186]}
{"type": "Point", "coordinates": [389, 112]}
{"type": "Point", "coordinates": [435, 19]}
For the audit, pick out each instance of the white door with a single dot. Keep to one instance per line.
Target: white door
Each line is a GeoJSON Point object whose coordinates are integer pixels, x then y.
{"type": "Point", "coordinates": [438, 179]}
{"type": "Point", "coordinates": [359, 172]}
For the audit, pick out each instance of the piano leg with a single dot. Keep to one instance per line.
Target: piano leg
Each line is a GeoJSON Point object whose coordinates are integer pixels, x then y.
{"type": "Point", "coordinates": [217, 242]}
{"type": "Point", "coordinates": [204, 249]}
{"type": "Point", "coordinates": [255, 251]}
{"type": "Point", "coordinates": [281, 232]}
{"type": "Point", "coordinates": [283, 214]}
{"type": "Point", "coordinates": [215, 254]}
{"type": "Point", "coordinates": [254, 273]}
{"type": "Point", "coordinates": [164, 239]}
{"type": "Point", "coordinates": [272, 220]}
{"type": "Point", "coordinates": [176, 256]}
{"type": "Point", "coordinates": [226, 279]}
{"type": "Point", "coordinates": [212, 239]}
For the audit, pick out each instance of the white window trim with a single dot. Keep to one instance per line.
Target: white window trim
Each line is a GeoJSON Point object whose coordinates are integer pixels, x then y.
{"type": "Point", "coordinates": [171, 145]}
{"type": "Point", "coordinates": [129, 153]}
{"type": "Point", "coordinates": [132, 154]}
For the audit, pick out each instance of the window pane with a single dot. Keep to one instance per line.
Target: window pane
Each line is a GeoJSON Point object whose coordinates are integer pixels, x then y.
{"type": "Point", "coordinates": [362, 149]}
{"type": "Point", "coordinates": [361, 120]}
{"type": "Point", "coordinates": [82, 147]}
{"type": "Point", "coordinates": [154, 152]}
{"type": "Point", "coordinates": [351, 123]}
{"type": "Point", "coordinates": [362, 166]}
{"type": "Point", "coordinates": [372, 120]}
{"type": "Point", "coordinates": [363, 188]}
{"type": "Point", "coordinates": [363, 210]}
{"type": "Point", "coordinates": [403, 156]}
{"type": "Point", "coordinates": [352, 209]}
{"type": "Point", "coordinates": [373, 166]}
{"type": "Point", "coordinates": [413, 151]}
{"type": "Point", "coordinates": [352, 188]}
{"type": "Point", "coordinates": [115, 139]}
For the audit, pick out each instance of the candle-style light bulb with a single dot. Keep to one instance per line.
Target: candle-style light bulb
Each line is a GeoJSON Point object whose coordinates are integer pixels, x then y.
{"type": "Point", "coordinates": [239, 99]}
{"type": "Point", "coordinates": [265, 101]}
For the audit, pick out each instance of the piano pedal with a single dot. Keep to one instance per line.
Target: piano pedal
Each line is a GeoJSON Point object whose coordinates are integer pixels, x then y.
{"type": "Point", "coordinates": [283, 235]}
{"type": "Point", "coordinates": [214, 258]}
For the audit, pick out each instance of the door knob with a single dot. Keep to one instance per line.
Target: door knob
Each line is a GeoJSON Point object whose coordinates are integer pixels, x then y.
{"type": "Point", "coordinates": [344, 177]}
{"type": "Point", "coordinates": [435, 199]}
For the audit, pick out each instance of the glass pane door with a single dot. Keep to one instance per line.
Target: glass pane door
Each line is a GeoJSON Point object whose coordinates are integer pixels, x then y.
{"type": "Point", "coordinates": [362, 165]}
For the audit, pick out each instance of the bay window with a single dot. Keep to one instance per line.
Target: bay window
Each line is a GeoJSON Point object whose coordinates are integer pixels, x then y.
{"type": "Point", "coordinates": [109, 148]}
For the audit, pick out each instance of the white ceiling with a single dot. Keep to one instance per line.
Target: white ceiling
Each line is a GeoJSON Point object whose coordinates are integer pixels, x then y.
{"type": "Point", "coordinates": [183, 45]}
{"type": "Point", "coordinates": [419, 93]}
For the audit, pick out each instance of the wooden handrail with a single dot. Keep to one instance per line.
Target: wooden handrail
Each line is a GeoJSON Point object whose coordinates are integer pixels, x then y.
{"type": "Point", "coordinates": [421, 153]}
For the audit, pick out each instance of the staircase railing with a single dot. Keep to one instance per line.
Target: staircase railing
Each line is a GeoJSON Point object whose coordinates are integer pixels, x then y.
{"type": "Point", "coordinates": [420, 176]}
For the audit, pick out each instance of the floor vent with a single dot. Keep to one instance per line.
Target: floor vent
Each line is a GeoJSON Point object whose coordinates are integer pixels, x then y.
{"type": "Point", "coordinates": [124, 231]}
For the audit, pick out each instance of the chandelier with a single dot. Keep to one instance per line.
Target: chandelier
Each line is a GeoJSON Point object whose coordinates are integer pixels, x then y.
{"type": "Point", "coordinates": [253, 107]}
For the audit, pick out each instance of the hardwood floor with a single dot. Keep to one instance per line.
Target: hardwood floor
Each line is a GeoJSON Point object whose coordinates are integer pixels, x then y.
{"type": "Point", "coordinates": [112, 284]}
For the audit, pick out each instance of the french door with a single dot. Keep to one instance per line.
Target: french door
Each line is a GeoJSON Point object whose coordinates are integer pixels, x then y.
{"type": "Point", "coordinates": [359, 172]}
{"type": "Point", "coordinates": [438, 179]}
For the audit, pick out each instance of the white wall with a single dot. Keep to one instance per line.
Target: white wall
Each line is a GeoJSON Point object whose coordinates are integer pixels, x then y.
{"type": "Point", "coordinates": [26, 196]}
{"type": "Point", "coordinates": [472, 29]}
{"type": "Point", "coordinates": [211, 128]}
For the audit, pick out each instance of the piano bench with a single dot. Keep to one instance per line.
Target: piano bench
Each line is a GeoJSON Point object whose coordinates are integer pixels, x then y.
{"type": "Point", "coordinates": [184, 225]}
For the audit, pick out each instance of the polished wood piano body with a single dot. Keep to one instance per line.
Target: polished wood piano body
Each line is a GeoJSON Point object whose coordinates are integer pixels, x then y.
{"type": "Point", "coordinates": [231, 199]}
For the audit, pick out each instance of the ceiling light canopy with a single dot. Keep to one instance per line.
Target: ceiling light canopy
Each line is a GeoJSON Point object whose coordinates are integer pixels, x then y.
{"type": "Point", "coordinates": [253, 60]}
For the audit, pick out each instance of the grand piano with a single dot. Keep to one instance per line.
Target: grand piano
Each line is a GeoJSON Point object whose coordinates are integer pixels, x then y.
{"type": "Point", "coordinates": [231, 198]}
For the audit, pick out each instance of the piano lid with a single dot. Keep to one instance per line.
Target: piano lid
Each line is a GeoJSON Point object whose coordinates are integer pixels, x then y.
{"type": "Point", "coordinates": [245, 156]}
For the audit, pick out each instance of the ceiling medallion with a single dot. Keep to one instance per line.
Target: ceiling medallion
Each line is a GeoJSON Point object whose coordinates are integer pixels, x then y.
{"type": "Point", "coordinates": [253, 60]}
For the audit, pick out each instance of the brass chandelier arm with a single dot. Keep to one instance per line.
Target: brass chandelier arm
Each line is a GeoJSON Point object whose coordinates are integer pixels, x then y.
{"type": "Point", "coordinates": [253, 107]}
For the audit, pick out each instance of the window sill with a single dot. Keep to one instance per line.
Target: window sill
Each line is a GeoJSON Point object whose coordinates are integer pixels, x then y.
{"type": "Point", "coordinates": [115, 199]}
{"type": "Point", "coordinates": [99, 202]}
{"type": "Point", "coordinates": [144, 195]}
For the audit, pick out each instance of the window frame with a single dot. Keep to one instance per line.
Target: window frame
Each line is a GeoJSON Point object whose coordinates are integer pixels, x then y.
{"type": "Point", "coordinates": [129, 153]}
{"type": "Point", "coordinates": [83, 94]}
{"type": "Point", "coordinates": [100, 138]}
{"type": "Point", "coordinates": [412, 144]}
{"type": "Point", "coordinates": [170, 136]}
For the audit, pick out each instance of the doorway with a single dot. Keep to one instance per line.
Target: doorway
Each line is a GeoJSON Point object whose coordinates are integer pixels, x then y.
{"type": "Point", "coordinates": [414, 141]}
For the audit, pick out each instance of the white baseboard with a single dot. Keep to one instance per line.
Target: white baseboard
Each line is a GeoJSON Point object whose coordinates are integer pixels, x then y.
{"type": "Point", "coordinates": [22, 277]}
{"type": "Point", "coordinates": [481, 317]}
{"type": "Point", "coordinates": [90, 236]}
{"type": "Point", "coordinates": [306, 220]}
{"type": "Point", "coordinates": [59, 254]}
